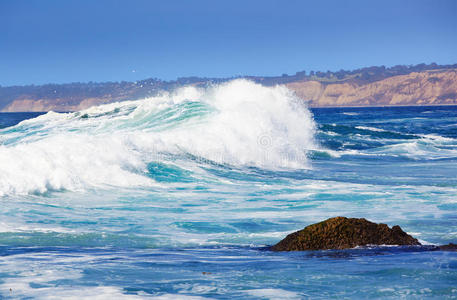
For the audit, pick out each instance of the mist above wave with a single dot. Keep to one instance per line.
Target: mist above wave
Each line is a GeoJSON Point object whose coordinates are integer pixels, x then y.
{"type": "Point", "coordinates": [237, 123]}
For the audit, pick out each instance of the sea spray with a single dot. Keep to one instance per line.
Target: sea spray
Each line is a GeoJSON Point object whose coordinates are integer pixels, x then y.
{"type": "Point", "coordinates": [238, 123]}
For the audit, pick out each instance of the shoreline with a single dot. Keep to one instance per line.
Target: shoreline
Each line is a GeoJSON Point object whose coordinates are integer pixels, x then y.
{"type": "Point", "coordinates": [310, 107]}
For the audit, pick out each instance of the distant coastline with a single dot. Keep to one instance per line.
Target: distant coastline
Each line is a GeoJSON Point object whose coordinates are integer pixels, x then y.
{"type": "Point", "coordinates": [418, 85]}
{"type": "Point", "coordinates": [313, 107]}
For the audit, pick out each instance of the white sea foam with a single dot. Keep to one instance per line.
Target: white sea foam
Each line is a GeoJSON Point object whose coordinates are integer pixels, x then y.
{"type": "Point", "coordinates": [340, 153]}
{"type": "Point", "coordinates": [12, 226]}
{"type": "Point", "coordinates": [178, 297]}
{"type": "Point", "coordinates": [370, 128]}
{"type": "Point", "coordinates": [238, 123]}
{"type": "Point", "coordinates": [417, 150]}
{"type": "Point", "coordinates": [331, 133]}
{"type": "Point", "coordinates": [438, 139]}
{"type": "Point", "coordinates": [34, 271]}
{"type": "Point", "coordinates": [22, 290]}
{"type": "Point", "coordinates": [273, 294]}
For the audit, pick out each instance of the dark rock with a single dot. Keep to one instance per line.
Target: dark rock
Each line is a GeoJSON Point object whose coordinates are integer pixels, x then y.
{"type": "Point", "coordinates": [343, 233]}
{"type": "Point", "coordinates": [448, 247]}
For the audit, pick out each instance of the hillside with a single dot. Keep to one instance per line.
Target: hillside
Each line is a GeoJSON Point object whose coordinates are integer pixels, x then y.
{"type": "Point", "coordinates": [372, 86]}
{"type": "Point", "coordinates": [438, 87]}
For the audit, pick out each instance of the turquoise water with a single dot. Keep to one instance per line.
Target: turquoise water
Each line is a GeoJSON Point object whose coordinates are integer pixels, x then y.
{"type": "Point", "coordinates": [178, 197]}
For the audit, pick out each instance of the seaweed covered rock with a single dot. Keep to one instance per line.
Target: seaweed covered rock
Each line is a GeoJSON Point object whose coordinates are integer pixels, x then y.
{"type": "Point", "coordinates": [343, 233]}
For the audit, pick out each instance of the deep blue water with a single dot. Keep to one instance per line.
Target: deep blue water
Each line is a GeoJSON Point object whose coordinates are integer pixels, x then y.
{"type": "Point", "coordinates": [178, 197]}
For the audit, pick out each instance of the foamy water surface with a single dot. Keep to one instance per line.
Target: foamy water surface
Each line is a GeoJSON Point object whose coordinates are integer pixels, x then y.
{"type": "Point", "coordinates": [177, 197]}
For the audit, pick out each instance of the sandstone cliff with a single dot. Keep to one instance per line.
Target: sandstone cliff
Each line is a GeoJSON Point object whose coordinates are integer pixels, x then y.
{"type": "Point", "coordinates": [46, 104]}
{"type": "Point", "coordinates": [437, 87]}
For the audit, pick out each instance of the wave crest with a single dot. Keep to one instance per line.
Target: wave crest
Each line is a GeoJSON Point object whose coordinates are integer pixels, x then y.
{"type": "Point", "coordinates": [237, 123]}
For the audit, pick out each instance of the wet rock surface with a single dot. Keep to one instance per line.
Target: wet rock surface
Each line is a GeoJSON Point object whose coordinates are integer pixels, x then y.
{"type": "Point", "coordinates": [344, 233]}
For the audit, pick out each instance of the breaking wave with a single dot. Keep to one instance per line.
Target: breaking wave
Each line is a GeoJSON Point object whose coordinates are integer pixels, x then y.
{"type": "Point", "coordinates": [238, 123]}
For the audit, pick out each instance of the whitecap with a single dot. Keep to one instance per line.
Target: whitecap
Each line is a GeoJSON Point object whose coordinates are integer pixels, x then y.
{"type": "Point", "coordinates": [236, 123]}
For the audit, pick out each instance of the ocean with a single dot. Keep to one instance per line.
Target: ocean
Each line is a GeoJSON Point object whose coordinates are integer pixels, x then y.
{"type": "Point", "coordinates": [179, 196]}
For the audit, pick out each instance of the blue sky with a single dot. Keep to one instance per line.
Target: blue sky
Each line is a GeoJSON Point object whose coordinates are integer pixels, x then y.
{"type": "Point", "coordinates": [59, 41]}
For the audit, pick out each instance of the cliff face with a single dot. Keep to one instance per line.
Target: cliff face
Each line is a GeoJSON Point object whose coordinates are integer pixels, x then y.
{"type": "Point", "coordinates": [39, 105]}
{"type": "Point", "coordinates": [368, 88]}
{"type": "Point", "coordinates": [418, 88]}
